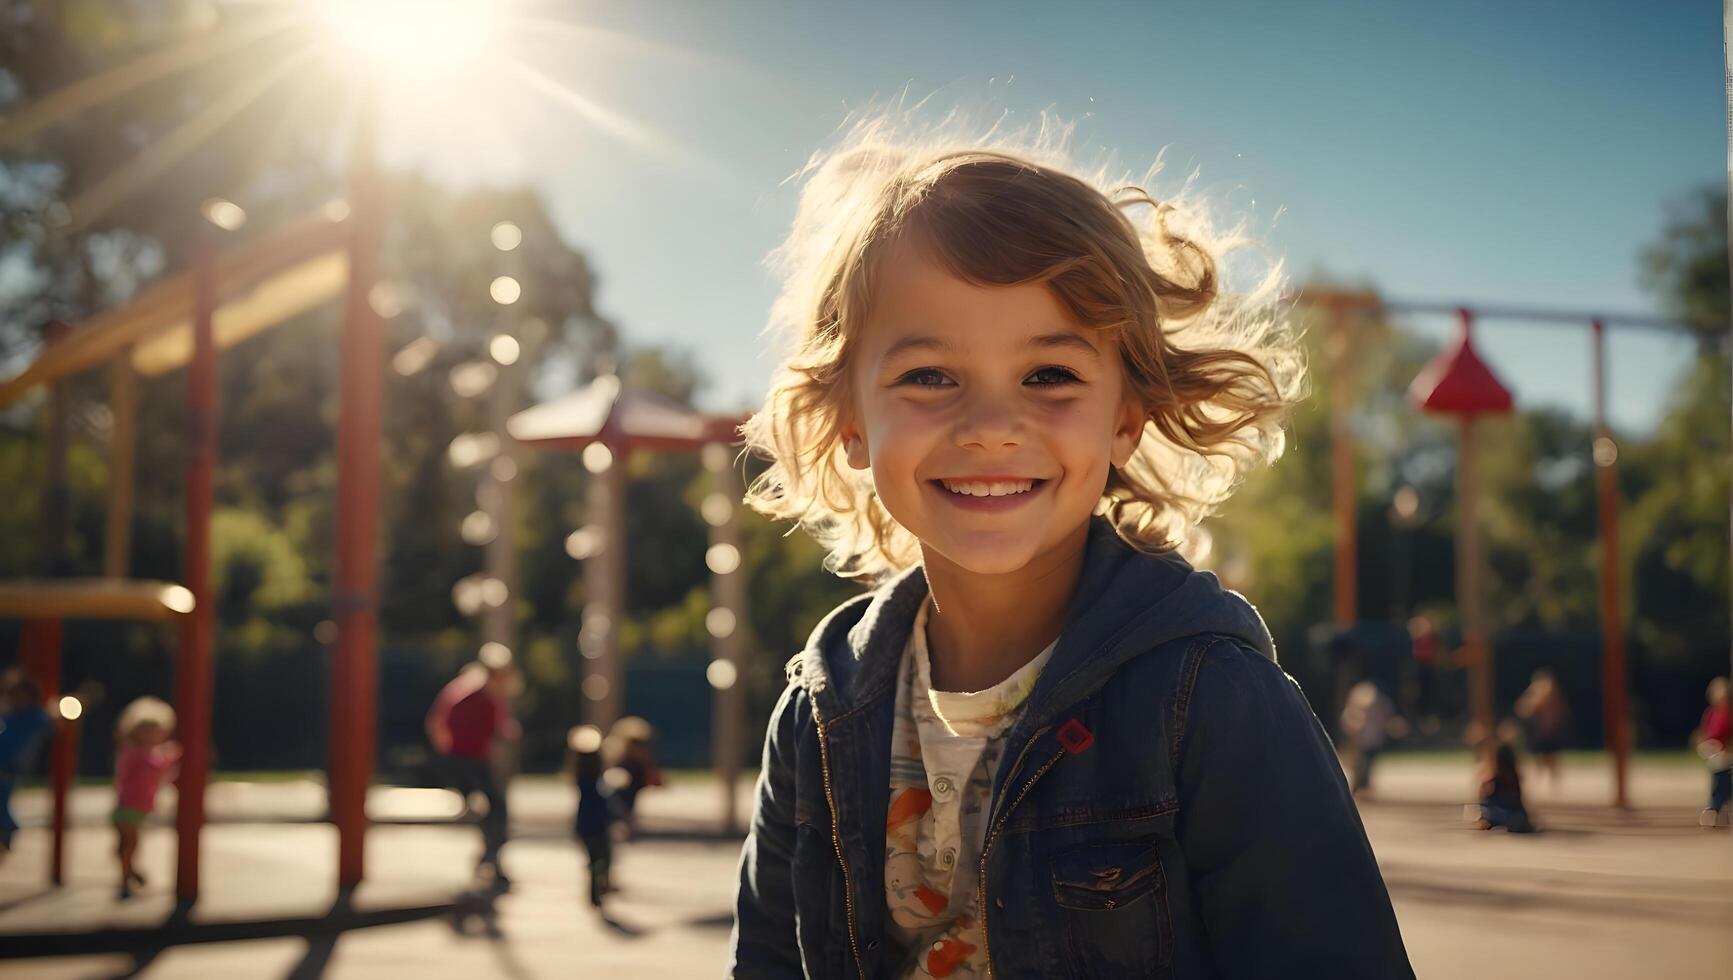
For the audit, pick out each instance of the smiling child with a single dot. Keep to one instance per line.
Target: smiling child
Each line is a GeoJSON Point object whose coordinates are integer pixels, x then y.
{"type": "Point", "coordinates": [1044, 745]}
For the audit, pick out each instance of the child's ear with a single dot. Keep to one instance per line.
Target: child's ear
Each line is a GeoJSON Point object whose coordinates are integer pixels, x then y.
{"type": "Point", "coordinates": [854, 446]}
{"type": "Point", "coordinates": [1128, 431]}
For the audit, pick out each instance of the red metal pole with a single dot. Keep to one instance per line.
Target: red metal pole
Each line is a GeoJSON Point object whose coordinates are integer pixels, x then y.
{"type": "Point", "coordinates": [193, 677]}
{"type": "Point", "coordinates": [39, 653]}
{"type": "Point", "coordinates": [63, 764]}
{"type": "Point", "coordinates": [354, 673]}
{"type": "Point", "coordinates": [1613, 679]}
{"type": "Point", "coordinates": [1482, 695]}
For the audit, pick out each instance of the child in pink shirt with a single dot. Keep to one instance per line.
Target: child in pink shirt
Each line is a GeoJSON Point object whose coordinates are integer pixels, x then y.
{"type": "Point", "coordinates": [144, 756]}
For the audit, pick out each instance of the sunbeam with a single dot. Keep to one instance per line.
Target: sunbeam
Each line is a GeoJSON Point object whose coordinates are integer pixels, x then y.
{"type": "Point", "coordinates": [543, 29]}
{"type": "Point", "coordinates": [185, 138]}
{"type": "Point", "coordinates": [605, 119]}
{"type": "Point", "coordinates": [127, 79]}
{"type": "Point", "coordinates": [668, 151]}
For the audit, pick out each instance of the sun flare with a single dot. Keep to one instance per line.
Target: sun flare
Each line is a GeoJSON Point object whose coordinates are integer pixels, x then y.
{"type": "Point", "coordinates": [416, 39]}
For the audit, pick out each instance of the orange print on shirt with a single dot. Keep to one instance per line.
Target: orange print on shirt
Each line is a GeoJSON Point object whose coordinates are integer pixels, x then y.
{"type": "Point", "coordinates": [934, 901]}
{"type": "Point", "coordinates": [946, 954]}
{"type": "Point", "coordinates": [909, 806]}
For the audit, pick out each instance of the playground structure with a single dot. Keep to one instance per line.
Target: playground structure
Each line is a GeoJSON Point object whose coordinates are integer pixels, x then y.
{"type": "Point", "coordinates": [606, 422]}
{"type": "Point", "coordinates": [231, 294]}
{"type": "Point", "coordinates": [226, 297]}
{"type": "Point", "coordinates": [1458, 382]}
{"type": "Point", "coordinates": [43, 607]}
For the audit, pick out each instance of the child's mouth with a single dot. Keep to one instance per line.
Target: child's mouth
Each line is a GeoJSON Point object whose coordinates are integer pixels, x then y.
{"type": "Point", "coordinates": [988, 495]}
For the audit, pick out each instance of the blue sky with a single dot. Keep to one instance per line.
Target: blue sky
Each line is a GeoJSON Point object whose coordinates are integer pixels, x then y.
{"type": "Point", "coordinates": [1493, 152]}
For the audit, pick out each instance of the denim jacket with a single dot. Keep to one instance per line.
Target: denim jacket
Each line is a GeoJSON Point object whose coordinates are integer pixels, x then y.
{"type": "Point", "coordinates": [1168, 805]}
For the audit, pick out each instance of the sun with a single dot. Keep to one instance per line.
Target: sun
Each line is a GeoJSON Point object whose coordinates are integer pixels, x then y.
{"type": "Point", "coordinates": [414, 39]}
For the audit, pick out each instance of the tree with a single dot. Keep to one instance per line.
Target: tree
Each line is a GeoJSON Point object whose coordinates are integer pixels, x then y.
{"type": "Point", "coordinates": [1686, 268]}
{"type": "Point", "coordinates": [1677, 483]}
{"type": "Point", "coordinates": [271, 153]}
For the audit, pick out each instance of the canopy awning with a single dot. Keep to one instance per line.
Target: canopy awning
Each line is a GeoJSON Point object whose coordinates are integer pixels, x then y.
{"type": "Point", "coordinates": [623, 418]}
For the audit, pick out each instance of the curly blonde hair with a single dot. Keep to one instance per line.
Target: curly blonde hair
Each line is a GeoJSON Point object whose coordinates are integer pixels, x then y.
{"type": "Point", "coordinates": [1215, 371]}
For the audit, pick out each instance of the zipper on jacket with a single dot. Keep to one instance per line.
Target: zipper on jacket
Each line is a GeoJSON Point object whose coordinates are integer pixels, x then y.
{"type": "Point", "coordinates": [993, 835]}
{"type": "Point", "coordinates": [836, 842]}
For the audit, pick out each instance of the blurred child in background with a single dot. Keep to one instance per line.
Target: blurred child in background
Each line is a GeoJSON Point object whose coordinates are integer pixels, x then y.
{"type": "Point", "coordinates": [144, 755]}
{"type": "Point", "coordinates": [24, 723]}
{"type": "Point", "coordinates": [1546, 718]}
{"type": "Point", "coordinates": [1714, 741]}
{"type": "Point", "coordinates": [1369, 719]}
{"type": "Point", "coordinates": [595, 817]}
{"type": "Point", "coordinates": [465, 724]}
{"type": "Point", "coordinates": [630, 749]}
{"type": "Point", "coordinates": [1501, 794]}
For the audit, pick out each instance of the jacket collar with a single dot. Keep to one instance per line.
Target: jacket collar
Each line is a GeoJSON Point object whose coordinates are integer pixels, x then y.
{"type": "Point", "coordinates": [1127, 602]}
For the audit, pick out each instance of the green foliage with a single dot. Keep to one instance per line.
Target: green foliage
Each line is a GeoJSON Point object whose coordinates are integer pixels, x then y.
{"type": "Point", "coordinates": [256, 568]}
{"type": "Point", "coordinates": [1687, 266]}
{"type": "Point", "coordinates": [1677, 530]}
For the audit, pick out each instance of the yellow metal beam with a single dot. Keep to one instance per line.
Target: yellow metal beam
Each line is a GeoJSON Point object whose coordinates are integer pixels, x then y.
{"type": "Point", "coordinates": [240, 273]}
{"type": "Point", "coordinates": [94, 598]}
{"type": "Point", "coordinates": [293, 291]}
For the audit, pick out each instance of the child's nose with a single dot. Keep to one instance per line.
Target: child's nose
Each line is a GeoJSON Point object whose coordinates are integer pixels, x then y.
{"type": "Point", "coordinates": [989, 424]}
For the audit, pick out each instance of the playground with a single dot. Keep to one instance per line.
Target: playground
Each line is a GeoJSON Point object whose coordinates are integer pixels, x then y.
{"type": "Point", "coordinates": [316, 425]}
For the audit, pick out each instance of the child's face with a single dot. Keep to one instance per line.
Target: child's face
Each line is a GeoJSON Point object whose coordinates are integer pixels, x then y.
{"type": "Point", "coordinates": [963, 386]}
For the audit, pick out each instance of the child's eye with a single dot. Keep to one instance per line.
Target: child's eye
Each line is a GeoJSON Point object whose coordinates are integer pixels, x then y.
{"type": "Point", "coordinates": [925, 378]}
{"type": "Point", "coordinates": [1052, 377]}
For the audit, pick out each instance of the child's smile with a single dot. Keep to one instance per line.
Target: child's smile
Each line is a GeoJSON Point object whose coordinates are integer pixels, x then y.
{"type": "Point", "coordinates": [988, 417]}
{"type": "Point", "coordinates": [988, 494]}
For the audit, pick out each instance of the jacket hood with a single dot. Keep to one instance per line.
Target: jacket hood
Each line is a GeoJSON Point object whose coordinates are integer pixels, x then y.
{"type": "Point", "coordinates": [1127, 603]}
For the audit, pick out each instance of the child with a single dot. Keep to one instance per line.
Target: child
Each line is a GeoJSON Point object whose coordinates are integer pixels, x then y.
{"type": "Point", "coordinates": [1546, 718]}
{"type": "Point", "coordinates": [630, 746]}
{"type": "Point", "coordinates": [466, 723]}
{"type": "Point", "coordinates": [1368, 720]}
{"type": "Point", "coordinates": [144, 755]}
{"type": "Point", "coordinates": [1501, 794]}
{"type": "Point", "coordinates": [594, 817]}
{"type": "Point", "coordinates": [1044, 745]}
{"type": "Point", "coordinates": [1714, 741]}
{"type": "Point", "coordinates": [24, 725]}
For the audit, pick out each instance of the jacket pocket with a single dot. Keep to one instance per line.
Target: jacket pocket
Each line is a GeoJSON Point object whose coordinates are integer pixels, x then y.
{"type": "Point", "coordinates": [1113, 902]}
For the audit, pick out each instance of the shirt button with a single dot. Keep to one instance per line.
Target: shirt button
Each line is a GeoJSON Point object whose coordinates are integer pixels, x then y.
{"type": "Point", "coordinates": [999, 902]}
{"type": "Point", "coordinates": [948, 857]}
{"type": "Point", "coordinates": [942, 787]}
{"type": "Point", "coordinates": [939, 947]}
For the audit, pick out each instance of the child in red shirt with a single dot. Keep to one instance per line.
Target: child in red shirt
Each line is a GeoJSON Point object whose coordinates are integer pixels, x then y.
{"type": "Point", "coordinates": [1714, 738]}
{"type": "Point", "coordinates": [144, 756]}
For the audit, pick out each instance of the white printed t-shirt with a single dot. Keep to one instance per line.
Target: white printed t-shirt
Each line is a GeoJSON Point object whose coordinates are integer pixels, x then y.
{"type": "Point", "coordinates": [945, 751]}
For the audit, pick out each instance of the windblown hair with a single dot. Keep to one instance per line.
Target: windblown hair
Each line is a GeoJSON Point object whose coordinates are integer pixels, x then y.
{"type": "Point", "coordinates": [1214, 371]}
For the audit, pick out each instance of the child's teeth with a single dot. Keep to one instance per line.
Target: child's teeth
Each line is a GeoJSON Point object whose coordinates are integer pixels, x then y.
{"type": "Point", "coordinates": [994, 489]}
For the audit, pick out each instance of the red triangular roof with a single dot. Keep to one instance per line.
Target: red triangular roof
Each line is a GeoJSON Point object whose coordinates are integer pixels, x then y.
{"type": "Point", "coordinates": [1458, 382]}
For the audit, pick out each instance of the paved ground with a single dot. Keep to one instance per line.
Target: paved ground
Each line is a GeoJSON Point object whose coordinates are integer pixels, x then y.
{"type": "Point", "coordinates": [1600, 894]}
